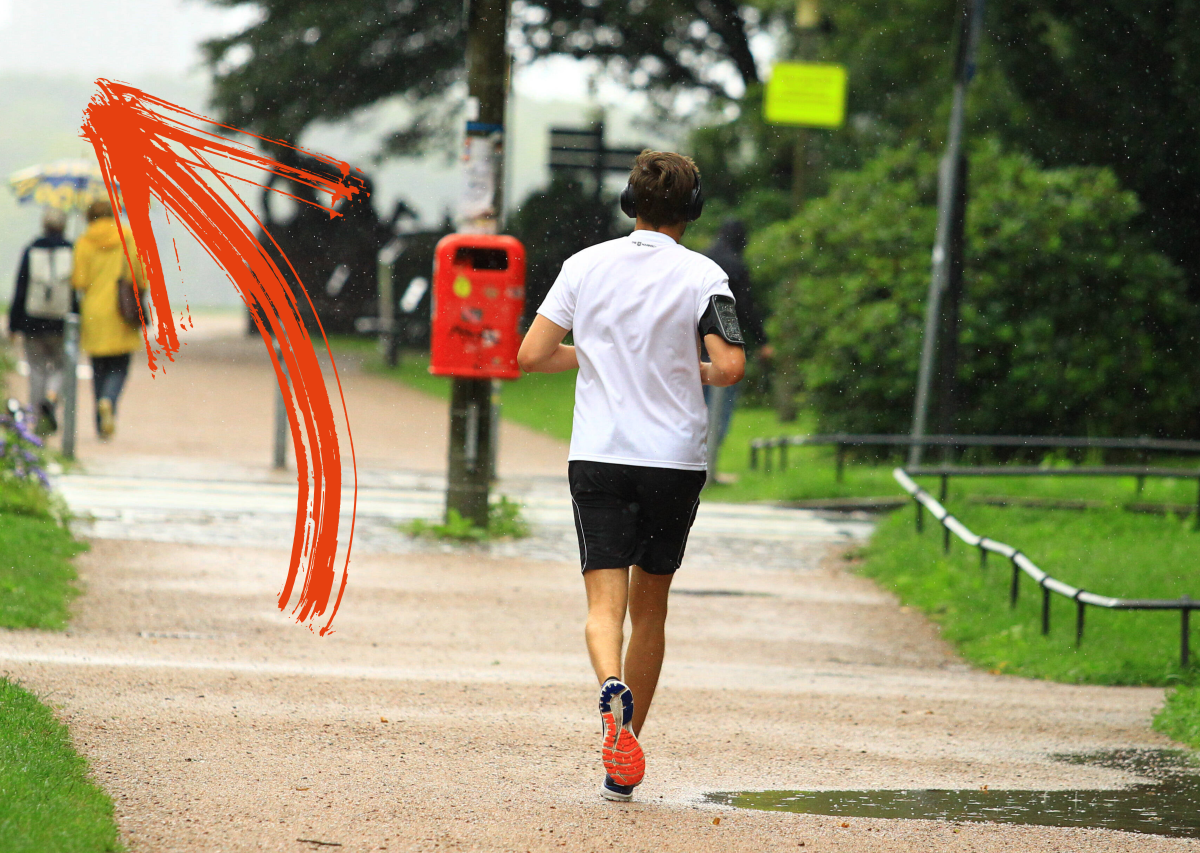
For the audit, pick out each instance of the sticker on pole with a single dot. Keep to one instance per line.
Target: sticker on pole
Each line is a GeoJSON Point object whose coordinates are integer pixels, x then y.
{"type": "Point", "coordinates": [808, 94]}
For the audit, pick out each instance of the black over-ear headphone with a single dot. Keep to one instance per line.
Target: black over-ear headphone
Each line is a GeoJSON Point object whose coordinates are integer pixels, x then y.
{"type": "Point", "coordinates": [695, 205]}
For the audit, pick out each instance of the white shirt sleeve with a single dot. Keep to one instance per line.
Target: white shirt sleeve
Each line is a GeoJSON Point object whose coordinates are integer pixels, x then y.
{"type": "Point", "coordinates": [716, 283]}
{"type": "Point", "coordinates": [559, 305]}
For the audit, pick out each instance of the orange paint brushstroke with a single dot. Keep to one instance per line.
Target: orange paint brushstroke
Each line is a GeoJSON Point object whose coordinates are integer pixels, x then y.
{"type": "Point", "coordinates": [153, 148]}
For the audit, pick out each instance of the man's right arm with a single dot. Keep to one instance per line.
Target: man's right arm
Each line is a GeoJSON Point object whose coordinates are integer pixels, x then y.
{"type": "Point", "coordinates": [543, 351]}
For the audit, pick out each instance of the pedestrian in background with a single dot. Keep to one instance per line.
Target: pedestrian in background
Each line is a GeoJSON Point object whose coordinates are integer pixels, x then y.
{"type": "Point", "coordinates": [727, 250]}
{"type": "Point", "coordinates": [105, 335]}
{"type": "Point", "coordinates": [40, 301]}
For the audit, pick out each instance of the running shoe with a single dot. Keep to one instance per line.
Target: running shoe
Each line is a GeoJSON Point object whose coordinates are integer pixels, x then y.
{"type": "Point", "coordinates": [622, 754]}
{"type": "Point", "coordinates": [610, 790]}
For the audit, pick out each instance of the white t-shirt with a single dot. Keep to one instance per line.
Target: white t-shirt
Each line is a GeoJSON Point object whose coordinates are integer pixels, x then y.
{"type": "Point", "coordinates": [633, 305]}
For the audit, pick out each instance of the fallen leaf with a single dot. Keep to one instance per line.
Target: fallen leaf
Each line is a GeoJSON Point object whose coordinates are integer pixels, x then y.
{"type": "Point", "coordinates": [383, 719]}
{"type": "Point", "coordinates": [845, 826]}
{"type": "Point", "coordinates": [716, 821]}
{"type": "Point", "coordinates": [301, 789]}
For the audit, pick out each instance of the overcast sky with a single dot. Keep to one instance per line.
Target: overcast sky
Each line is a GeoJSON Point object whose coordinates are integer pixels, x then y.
{"type": "Point", "coordinates": [132, 39]}
{"type": "Point", "coordinates": [118, 38]}
{"type": "Point", "coordinates": [154, 44]}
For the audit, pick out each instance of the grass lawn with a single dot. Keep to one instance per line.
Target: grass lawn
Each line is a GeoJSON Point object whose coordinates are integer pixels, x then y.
{"type": "Point", "coordinates": [1180, 718]}
{"type": "Point", "coordinates": [1107, 551]}
{"type": "Point", "coordinates": [37, 579]}
{"type": "Point", "coordinates": [47, 801]}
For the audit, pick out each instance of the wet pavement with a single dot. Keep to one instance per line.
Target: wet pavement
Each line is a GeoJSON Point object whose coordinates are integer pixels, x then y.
{"type": "Point", "coordinates": [1169, 805]}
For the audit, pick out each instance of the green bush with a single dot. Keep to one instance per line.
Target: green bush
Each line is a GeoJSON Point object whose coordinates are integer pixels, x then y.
{"type": "Point", "coordinates": [1070, 324]}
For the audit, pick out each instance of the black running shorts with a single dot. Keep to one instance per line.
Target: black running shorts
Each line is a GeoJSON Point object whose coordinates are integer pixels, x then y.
{"type": "Point", "coordinates": [633, 515]}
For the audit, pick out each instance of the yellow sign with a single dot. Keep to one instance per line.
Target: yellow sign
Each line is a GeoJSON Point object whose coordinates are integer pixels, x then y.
{"type": "Point", "coordinates": [809, 94]}
{"type": "Point", "coordinates": [462, 287]}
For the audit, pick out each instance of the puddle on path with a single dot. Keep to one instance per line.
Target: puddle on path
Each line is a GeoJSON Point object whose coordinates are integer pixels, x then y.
{"type": "Point", "coordinates": [1168, 806]}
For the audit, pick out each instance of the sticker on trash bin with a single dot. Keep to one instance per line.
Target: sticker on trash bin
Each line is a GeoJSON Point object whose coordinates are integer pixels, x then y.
{"type": "Point", "coordinates": [462, 287]}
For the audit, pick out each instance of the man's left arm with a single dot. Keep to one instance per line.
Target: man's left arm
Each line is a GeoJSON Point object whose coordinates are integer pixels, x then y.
{"type": "Point", "coordinates": [723, 340]}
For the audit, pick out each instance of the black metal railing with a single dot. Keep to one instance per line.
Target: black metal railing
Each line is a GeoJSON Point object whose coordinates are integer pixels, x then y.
{"type": "Point", "coordinates": [1140, 472]}
{"type": "Point", "coordinates": [770, 448]}
{"type": "Point", "coordinates": [1021, 564]}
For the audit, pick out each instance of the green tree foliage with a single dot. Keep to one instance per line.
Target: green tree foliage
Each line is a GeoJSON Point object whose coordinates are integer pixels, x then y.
{"type": "Point", "coordinates": [554, 224]}
{"type": "Point", "coordinates": [661, 46]}
{"type": "Point", "coordinates": [898, 56]}
{"type": "Point", "coordinates": [1071, 323]}
{"type": "Point", "coordinates": [1075, 82]}
{"type": "Point", "coordinates": [1115, 83]}
{"type": "Point", "coordinates": [305, 60]}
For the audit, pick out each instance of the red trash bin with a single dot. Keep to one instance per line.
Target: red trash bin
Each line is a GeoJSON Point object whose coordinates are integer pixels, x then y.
{"type": "Point", "coordinates": [478, 299]}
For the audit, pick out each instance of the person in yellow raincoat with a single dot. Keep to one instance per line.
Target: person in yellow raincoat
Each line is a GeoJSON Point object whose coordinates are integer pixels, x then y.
{"type": "Point", "coordinates": [100, 262]}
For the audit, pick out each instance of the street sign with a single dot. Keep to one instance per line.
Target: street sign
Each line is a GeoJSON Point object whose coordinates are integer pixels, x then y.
{"type": "Point", "coordinates": [585, 149]}
{"type": "Point", "coordinates": [808, 94]}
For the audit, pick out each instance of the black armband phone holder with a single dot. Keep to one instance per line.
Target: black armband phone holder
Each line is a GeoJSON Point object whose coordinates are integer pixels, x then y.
{"type": "Point", "coordinates": [720, 318]}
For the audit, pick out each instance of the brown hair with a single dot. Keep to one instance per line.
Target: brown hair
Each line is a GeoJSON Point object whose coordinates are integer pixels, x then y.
{"type": "Point", "coordinates": [99, 209]}
{"type": "Point", "coordinates": [662, 186]}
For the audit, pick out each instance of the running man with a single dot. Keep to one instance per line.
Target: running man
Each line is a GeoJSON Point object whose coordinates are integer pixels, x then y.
{"type": "Point", "coordinates": [637, 308]}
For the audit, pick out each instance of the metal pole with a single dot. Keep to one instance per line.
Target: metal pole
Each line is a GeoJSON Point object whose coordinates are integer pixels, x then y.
{"type": "Point", "coordinates": [70, 389]}
{"type": "Point", "coordinates": [1185, 633]}
{"type": "Point", "coordinates": [970, 23]}
{"type": "Point", "coordinates": [472, 446]}
{"type": "Point", "coordinates": [1016, 582]}
{"type": "Point", "coordinates": [279, 456]}
{"type": "Point", "coordinates": [1045, 610]}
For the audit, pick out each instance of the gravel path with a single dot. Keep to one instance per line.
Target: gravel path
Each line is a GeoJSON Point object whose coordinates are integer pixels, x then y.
{"type": "Point", "coordinates": [453, 709]}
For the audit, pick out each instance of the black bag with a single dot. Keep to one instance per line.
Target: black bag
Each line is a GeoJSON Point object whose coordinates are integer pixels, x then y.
{"type": "Point", "coordinates": [128, 300]}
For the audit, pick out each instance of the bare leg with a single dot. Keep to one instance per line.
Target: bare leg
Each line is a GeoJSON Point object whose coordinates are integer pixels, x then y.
{"type": "Point", "coordinates": [608, 595]}
{"type": "Point", "coordinates": [647, 640]}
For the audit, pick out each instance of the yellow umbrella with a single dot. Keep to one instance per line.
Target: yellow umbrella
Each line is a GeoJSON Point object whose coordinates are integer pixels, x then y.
{"type": "Point", "coordinates": [65, 184]}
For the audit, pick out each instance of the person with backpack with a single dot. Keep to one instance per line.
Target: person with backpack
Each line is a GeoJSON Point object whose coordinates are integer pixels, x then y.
{"type": "Point", "coordinates": [41, 300]}
{"type": "Point", "coordinates": [637, 308]}
{"type": "Point", "coordinates": [108, 333]}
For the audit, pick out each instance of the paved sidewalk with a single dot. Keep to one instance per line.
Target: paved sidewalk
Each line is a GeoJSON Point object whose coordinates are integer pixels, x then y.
{"type": "Point", "coordinates": [454, 709]}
